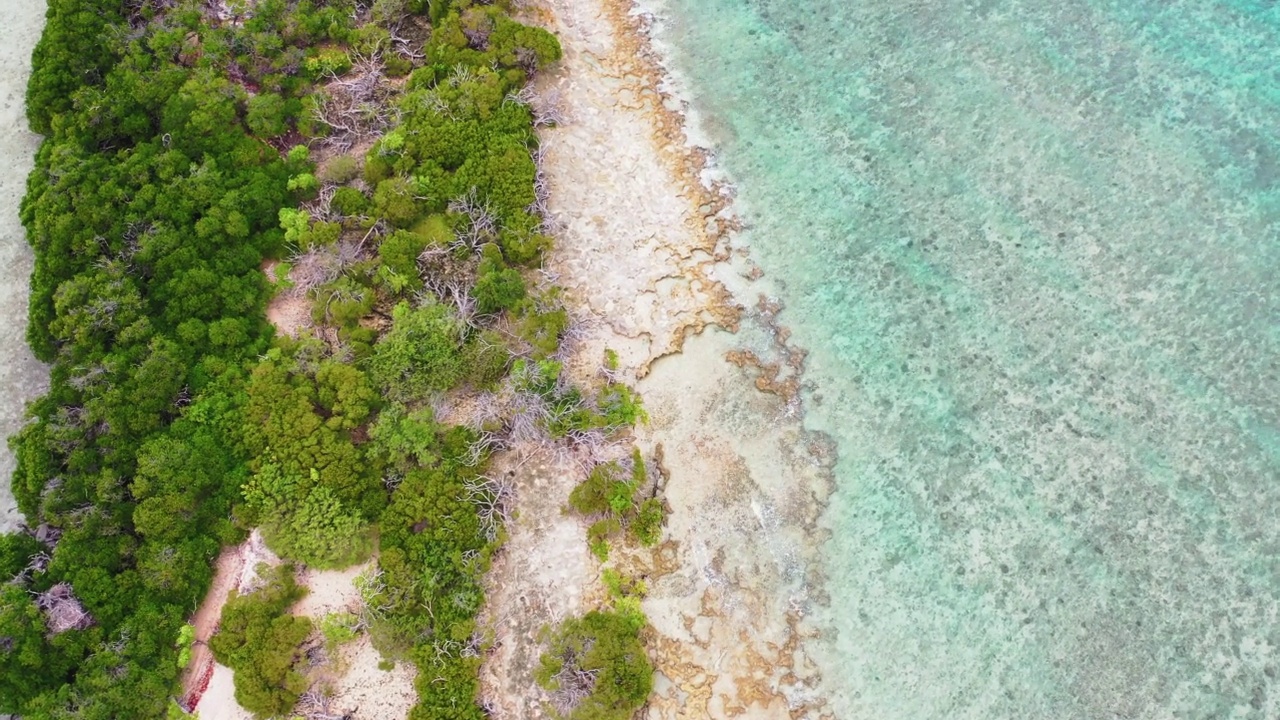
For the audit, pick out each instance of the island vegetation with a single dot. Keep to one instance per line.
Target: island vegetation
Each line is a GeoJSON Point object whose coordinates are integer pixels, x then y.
{"type": "Point", "coordinates": [384, 153]}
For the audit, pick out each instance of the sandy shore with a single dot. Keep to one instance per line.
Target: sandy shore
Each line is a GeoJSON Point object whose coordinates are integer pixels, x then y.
{"type": "Point", "coordinates": [646, 254]}
{"type": "Point", "coordinates": [22, 377]}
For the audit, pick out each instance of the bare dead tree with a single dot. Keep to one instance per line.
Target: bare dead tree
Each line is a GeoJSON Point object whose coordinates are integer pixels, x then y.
{"type": "Point", "coordinates": [546, 108]}
{"type": "Point", "coordinates": [321, 208]}
{"type": "Point", "coordinates": [348, 252]}
{"type": "Point", "coordinates": [448, 279]}
{"type": "Point", "coordinates": [530, 415]}
{"type": "Point", "coordinates": [312, 268]}
{"type": "Point", "coordinates": [356, 105]}
{"type": "Point", "coordinates": [374, 602]}
{"type": "Point", "coordinates": [62, 610]}
{"type": "Point", "coordinates": [477, 29]}
{"type": "Point", "coordinates": [404, 46]}
{"type": "Point", "coordinates": [587, 448]}
{"type": "Point", "coordinates": [494, 499]}
{"type": "Point", "coordinates": [315, 704]}
{"type": "Point", "coordinates": [85, 378]}
{"type": "Point", "coordinates": [573, 684]}
{"type": "Point", "coordinates": [482, 222]}
{"type": "Point", "coordinates": [474, 644]}
{"type": "Point", "coordinates": [37, 564]}
{"type": "Point", "coordinates": [575, 332]}
{"type": "Point", "coordinates": [119, 644]}
{"type": "Point", "coordinates": [462, 74]}
{"type": "Point", "coordinates": [449, 271]}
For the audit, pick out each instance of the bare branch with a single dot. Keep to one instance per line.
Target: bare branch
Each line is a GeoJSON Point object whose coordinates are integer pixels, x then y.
{"type": "Point", "coordinates": [62, 610]}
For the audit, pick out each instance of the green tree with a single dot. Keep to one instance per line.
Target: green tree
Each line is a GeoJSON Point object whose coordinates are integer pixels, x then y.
{"type": "Point", "coordinates": [305, 521]}
{"type": "Point", "coordinates": [419, 354]}
{"type": "Point", "coordinates": [260, 641]}
{"type": "Point", "coordinates": [395, 200]}
{"type": "Point", "coordinates": [266, 115]}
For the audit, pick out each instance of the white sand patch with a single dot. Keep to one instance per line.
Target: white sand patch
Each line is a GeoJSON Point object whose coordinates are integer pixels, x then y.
{"type": "Point", "coordinates": [367, 692]}
{"type": "Point", "coordinates": [22, 377]}
{"type": "Point", "coordinates": [289, 311]}
{"type": "Point", "coordinates": [541, 576]}
{"type": "Point", "coordinates": [330, 591]}
{"type": "Point", "coordinates": [353, 681]}
{"type": "Point", "coordinates": [218, 702]}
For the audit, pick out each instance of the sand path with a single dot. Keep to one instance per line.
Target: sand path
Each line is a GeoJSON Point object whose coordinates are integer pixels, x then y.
{"type": "Point", "coordinates": [22, 377]}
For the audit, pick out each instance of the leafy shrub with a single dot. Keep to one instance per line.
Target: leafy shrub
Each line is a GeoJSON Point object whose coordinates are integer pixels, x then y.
{"type": "Point", "coordinates": [260, 641]}
{"type": "Point", "coordinates": [15, 552]}
{"type": "Point", "coordinates": [486, 359]}
{"type": "Point", "coordinates": [605, 645]}
{"type": "Point", "coordinates": [393, 201]}
{"type": "Point", "coordinates": [338, 629]}
{"type": "Point", "coordinates": [328, 62]}
{"type": "Point", "coordinates": [349, 201]}
{"type": "Point", "coordinates": [419, 354]}
{"type": "Point", "coordinates": [498, 287]}
{"type": "Point", "coordinates": [341, 169]}
{"type": "Point", "coordinates": [186, 635]}
{"type": "Point", "coordinates": [266, 115]}
{"type": "Point", "coordinates": [306, 523]}
{"type": "Point", "coordinates": [609, 490]}
{"type": "Point", "coordinates": [648, 523]}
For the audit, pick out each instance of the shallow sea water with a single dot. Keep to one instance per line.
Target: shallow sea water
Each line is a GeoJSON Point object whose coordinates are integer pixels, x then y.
{"type": "Point", "coordinates": [1033, 248]}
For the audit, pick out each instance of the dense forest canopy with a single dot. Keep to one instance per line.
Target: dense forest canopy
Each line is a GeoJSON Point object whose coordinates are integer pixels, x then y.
{"type": "Point", "coordinates": [385, 152]}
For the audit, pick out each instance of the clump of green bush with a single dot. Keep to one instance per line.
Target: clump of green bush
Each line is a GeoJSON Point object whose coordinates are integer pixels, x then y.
{"type": "Point", "coordinates": [596, 667]}
{"type": "Point", "coordinates": [609, 491]}
{"type": "Point", "coordinates": [261, 641]}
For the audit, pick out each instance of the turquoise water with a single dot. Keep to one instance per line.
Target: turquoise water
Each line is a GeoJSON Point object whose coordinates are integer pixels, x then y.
{"type": "Point", "coordinates": [1034, 248]}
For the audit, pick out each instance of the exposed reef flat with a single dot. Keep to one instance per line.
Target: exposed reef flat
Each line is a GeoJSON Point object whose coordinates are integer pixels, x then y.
{"type": "Point", "coordinates": [645, 252]}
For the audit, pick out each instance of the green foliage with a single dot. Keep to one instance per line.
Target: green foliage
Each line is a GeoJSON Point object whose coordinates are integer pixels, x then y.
{"type": "Point", "coordinates": [341, 169]}
{"type": "Point", "coordinates": [303, 422]}
{"type": "Point", "coordinates": [606, 644]}
{"type": "Point", "coordinates": [419, 354]}
{"type": "Point", "coordinates": [15, 553]}
{"type": "Point", "coordinates": [266, 115]}
{"type": "Point", "coordinates": [407, 438]}
{"type": "Point", "coordinates": [338, 629]}
{"type": "Point", "coordinates": [186, 635]}
{"type": "Point", "coordinates": [609, 490]}
{"type": "Point", "coordinates": [541, 328]}
{"type": "Point", "coordinates": [349, 201]}
{"type": "Point", "coordinates": [647, 525]}
{"type": "Point", "coordinates": [399, 253]}
{"type": "Point", "coordinates": [498, 287]}
{"type": "Point", "coordinates": [620, 586]}
{"type": "Point", "coordinates": [152, 207]}
{"type": "Point", "coordinates": [598, 536]}
{"type": "Point", "coordinates": [620, 407]}
{"type": "Point", "coordinates": [328, 62]}
{"type": "Point", "coordinates": [304, 185]}
{"type": "Point", "coordinates": [69, 54]}
{"type": "Point", "coordinates": [260, 641]}
{"type": "Point", "coordinates": [304, 521]}
{"type": "Point", "coordinates": [394, 201]}
{"type": "Point", "coordinates": [486, 359]}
